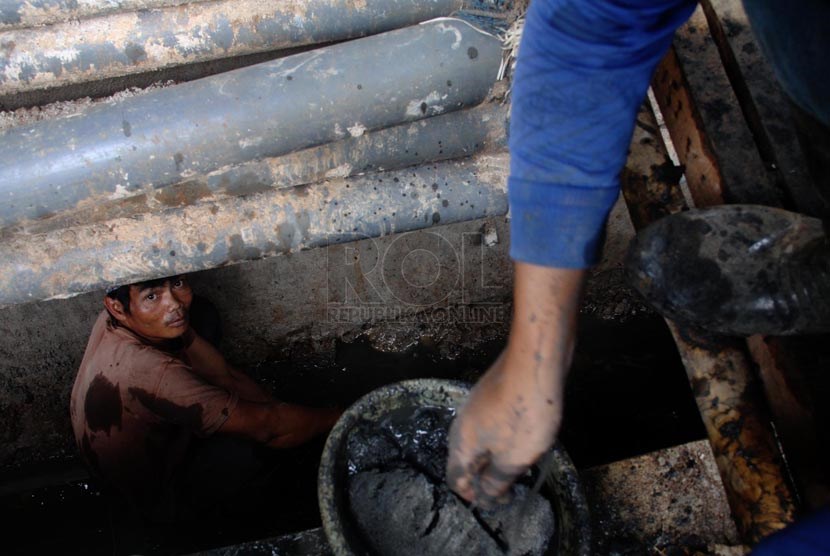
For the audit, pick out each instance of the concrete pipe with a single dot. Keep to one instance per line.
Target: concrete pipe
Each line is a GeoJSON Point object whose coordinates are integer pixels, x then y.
{"type": "Point", "coordinates": [130, 42]}
{"type": "Point", "coordinates": [454, 135]}
{"type": "Point", "coordinates": [208, 235]}
{"type": "Point", "coordinates": [447, 136]}
{"type": "Point", "coordinates": [20, 14]}
{"type": "Point", "coordinates": [171, 134]}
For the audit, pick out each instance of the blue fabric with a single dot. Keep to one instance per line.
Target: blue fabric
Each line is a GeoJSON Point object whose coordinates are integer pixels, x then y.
{"type": "Point", "coordinates": [808, 537]}
{"type": "Point", "coordinates": [583, 71]}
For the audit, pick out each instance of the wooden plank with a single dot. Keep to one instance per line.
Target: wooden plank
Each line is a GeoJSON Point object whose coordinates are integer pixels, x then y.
{"type": "Point", "coordinates": [706, 124]}
{"type": "Point", "coordinates": [763, 103]}
{"type": "Point", "coordinates": [650, 181]}
{"type": "Point", "coordinates": [766, 112]}
{"type": "Point", "coordinates": [793, 402]}
{"type": "Point", "coordinates": [720, 370]}
{"type": "Point", "coordinates": [666, 502]}
{"type": "Point", "coordinates": [737, 422]}
{"type": "Point", "coordinates": [694, 149]}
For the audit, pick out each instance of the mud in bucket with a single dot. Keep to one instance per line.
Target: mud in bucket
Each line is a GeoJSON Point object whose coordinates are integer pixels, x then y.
{"type": "Point", "coordinates": [396, 434]}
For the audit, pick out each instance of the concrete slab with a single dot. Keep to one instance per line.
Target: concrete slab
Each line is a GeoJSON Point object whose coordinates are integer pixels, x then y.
{"type": "Point", "coordinates": [668, 501]}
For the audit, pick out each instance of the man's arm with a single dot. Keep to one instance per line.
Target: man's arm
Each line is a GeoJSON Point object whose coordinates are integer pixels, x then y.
{"type": "Point", "coordinates": [208, 363]}
{"type": "Point", "coordinates": [188, 399]}
{"type": "Point", "coordinates": [513, 413]}
{"type": "Point", "coordinates": [582, 73]}
{"type": "Point", "coordinates": [278, 425]}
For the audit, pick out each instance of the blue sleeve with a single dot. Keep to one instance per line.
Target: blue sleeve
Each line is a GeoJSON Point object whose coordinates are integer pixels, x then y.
{"type": "Point", "coordinates": [583, 70]}
{"type": "Point", "coordinates": [808, 537]}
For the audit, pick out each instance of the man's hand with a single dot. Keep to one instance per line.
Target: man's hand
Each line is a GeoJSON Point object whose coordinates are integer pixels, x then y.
{"type": "Point", "coordinates": [513, 413]}
{"type": "Point", "coordinates": [277, 424]}
{"type": "Point", "coordinates": [505, 426]}
{"type": "Point", "coordinates": [296, 424]}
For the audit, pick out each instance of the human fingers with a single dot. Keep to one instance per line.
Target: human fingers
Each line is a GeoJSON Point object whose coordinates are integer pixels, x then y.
{"type": "Point", "coordinates": [464, 461]}
{"type": "Point", "coordinates": [493, 481]}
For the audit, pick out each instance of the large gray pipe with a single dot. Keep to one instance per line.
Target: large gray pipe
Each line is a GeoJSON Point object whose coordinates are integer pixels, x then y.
{"type": "Point", "coordinates": [453, 135]}
{"type": "Point", "coordinates": [18, 14]}
{"type": "Point", "coordinates": [238, 229]}
{"type": "Point", "coordinates": [265, 110]}
{"type": "Point", "coordinates": [123, 43]}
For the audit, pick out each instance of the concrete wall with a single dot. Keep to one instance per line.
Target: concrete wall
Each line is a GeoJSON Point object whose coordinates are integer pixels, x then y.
{"type": "Point", "coordinates": [267, 307]}
{"type": "Point", "coordinates": [290, 306]}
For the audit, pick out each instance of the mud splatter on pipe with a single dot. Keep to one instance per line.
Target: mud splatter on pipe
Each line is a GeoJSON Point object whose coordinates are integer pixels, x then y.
{"type": "Point", "coordinates": [129, 42]}
{"type": "Point", "coordinates": [172, 134]}
{"type": "Point", "coordinates": [447, 136]}
{"type": "Point", "coordinates": [20, 14]}
{"type": "Point", "coordinates": [209, 235]}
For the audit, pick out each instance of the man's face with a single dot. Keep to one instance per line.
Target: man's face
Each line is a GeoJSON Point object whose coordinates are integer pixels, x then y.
{"type": "Point", "coordinates": [160, 312]}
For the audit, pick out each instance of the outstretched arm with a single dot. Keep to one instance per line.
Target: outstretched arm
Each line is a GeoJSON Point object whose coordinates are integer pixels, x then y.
{"type": "Point", "coordinates": [582, 73]}
{"type": "Point", "coordinates": [187, 398]}
{"type": "Point", "coordinates": [278, 425]}
{"type": "Point", "coordinates": [207, 362]}
{"type": "Point", "coordinates": [513, 413]}
{"type": "Point", "coordinates": [257, 415]}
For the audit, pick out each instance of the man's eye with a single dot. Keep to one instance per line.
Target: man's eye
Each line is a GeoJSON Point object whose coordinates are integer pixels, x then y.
{"type": "Point", "coordinates": [150, 297]}
{"type": "Point", "coordinates": [179, 283]}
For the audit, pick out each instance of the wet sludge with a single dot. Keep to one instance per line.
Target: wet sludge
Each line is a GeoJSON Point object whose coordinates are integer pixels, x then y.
{"type": "Point", "coordinates": [401, 504]}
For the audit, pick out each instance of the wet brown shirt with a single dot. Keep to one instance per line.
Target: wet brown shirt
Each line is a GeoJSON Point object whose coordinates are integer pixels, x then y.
{"type": "Point", "coordinates": [135, 408]}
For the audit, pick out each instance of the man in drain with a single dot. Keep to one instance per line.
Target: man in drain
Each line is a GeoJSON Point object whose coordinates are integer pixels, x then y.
{"type": "Point", "coordinates": [583, 70]}
{"type": "Point", "coordinates": [162, 418]}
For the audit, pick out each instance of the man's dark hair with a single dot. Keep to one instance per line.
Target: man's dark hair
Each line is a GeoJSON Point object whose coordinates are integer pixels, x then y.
{"type": "Point", "coordinates": [122, 293]}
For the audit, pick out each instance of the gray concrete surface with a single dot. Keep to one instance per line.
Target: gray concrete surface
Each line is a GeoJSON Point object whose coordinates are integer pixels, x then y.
{"type": "Point", "coordinates": [310, 297]}
{"type": "Point", "coordinates": [297, 303]}
{"type": "Point", "coordinates": [667, 502]}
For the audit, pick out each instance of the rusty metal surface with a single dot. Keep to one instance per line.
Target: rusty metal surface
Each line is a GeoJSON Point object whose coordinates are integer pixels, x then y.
{"type": "Point", "coordinates": [171, 134]}
{"type": "Point", "coordinates": [666, 502]}
{"type": "Point", "coordinates": [209, 235]}
{"type": "Point", "coordinates": [122, 42]}
{"type": "Point", "coordinates": [19, 14]}
{"type": "Point", "coordinates": [454, 135]}
{"type": "Point", "coordinates": [735, 414]}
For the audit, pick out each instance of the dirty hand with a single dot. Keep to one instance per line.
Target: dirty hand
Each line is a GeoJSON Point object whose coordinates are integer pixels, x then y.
{"type": "Point", "coordinates": [508, 422]}
{"type": "Point", "coordinates": [513, 414]}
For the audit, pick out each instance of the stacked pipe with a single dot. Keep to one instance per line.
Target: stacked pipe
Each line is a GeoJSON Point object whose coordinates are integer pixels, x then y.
{"type": "Point", "coordinates": [377, 103]}
{"type": "Point", "coordinates": [49, 43]}
{"type": "Point", "coordinates": [444, 137]}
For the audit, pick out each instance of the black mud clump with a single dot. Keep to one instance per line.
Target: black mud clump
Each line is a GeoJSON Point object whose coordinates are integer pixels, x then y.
{"type": "Point", "coordinates": [401, 504]}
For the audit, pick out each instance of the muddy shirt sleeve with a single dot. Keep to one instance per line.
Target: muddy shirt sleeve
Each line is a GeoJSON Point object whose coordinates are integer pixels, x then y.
{"type": "Point", "coordinates": [582, 72]}
{"type": "Point", "coordinates": [183, 398]}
